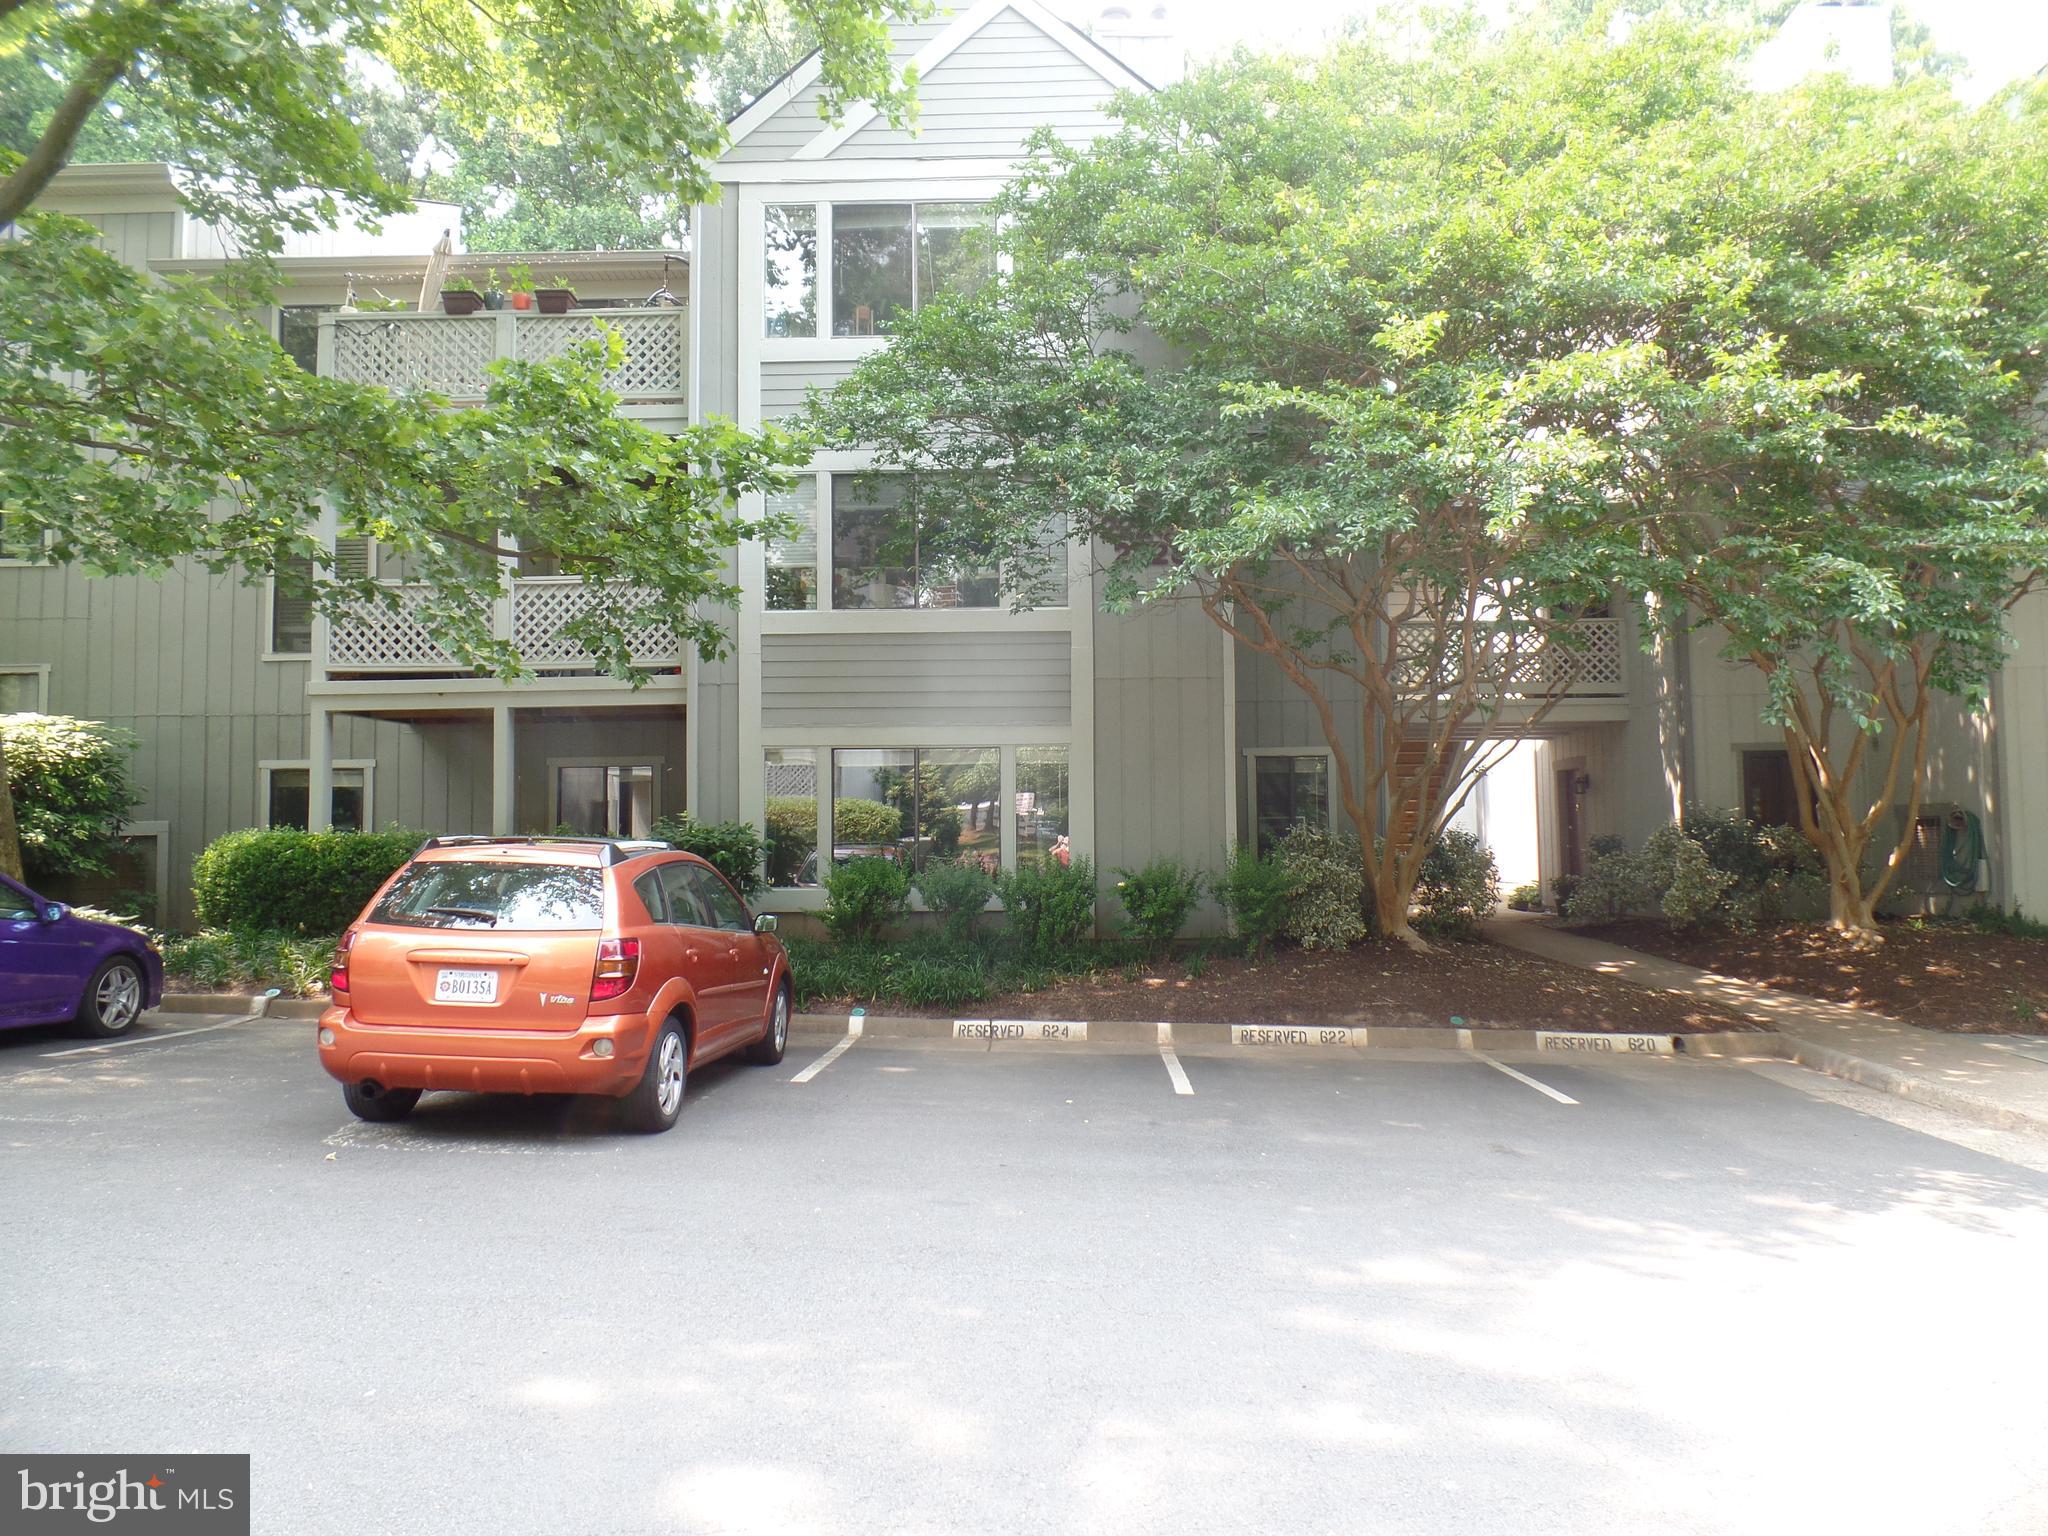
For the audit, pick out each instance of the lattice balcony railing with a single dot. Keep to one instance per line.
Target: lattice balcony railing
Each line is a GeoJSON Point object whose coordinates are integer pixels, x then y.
{"type": "Point", "coordinates": [1519, 665]}
{"type": "Point", "coordinates": [542, 605]}
{"type": "Point", "coordinates": [451, 353]}
{"type": "Point", "coordinates": [379, 639]}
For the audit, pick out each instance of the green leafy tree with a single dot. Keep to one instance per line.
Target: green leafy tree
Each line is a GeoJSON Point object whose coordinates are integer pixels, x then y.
{"type": "Point", "coordinates": [143, 422]}
{"type": "Point", "coordinates": [1825, 422]}
{"type": "Point", "coordinates": [1290, 346]}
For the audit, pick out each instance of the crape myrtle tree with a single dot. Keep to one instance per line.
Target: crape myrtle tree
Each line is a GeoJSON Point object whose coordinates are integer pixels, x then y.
{"type": "Point", "coordinates": [1303, 343]}
{"type": "Point", "coordinates": [146, 421]}
{"type": "Point", "coordinates": [1829, 434]}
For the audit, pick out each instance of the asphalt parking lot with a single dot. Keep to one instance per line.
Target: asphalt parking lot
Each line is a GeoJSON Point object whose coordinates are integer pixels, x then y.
{"type": "Point", "coordinates": [938, 1288]}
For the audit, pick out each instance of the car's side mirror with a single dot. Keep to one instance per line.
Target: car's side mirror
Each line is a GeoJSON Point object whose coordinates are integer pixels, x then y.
{"type": "Point", "coordinates": [765, 923]}
{"type": "Point", "coordinates": [54, 912]}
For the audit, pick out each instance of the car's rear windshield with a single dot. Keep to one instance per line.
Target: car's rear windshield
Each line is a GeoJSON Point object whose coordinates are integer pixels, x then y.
{"type": "Point", "coordinates": [455, 894]}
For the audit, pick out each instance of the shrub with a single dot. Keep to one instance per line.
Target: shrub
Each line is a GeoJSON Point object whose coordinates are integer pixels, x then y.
{"type": "Point", "coordinates": [927, 971]}
{"type": "Point", "coordinates": [2014, 924]}
{"type": "Point", "coordinates": [1051, 905]}
{"type": "Point", "coordinates": [71, 791]}
{"type": "Point", "coordinates": [1459, 885]}
{"type": "Point", "coordinates": [1327, 907]}
{"type": "Point", "coordinates": [731, 847]}
{"type": "Point", "coordinates": [1718, 867]}
{"type": "Point", "coordinates": [1616, 882]}
{"type": "Point", "coordinates": [1158, 898]}
{"type": "Point", "coordinates": [299, 882]}
{"type": "Point", "coordinates": [1526, 898]}
{"type": "Point", "coordinates": [956, 890]}
{"type": "Point", "coordinates": [212, 959]}
{"type": "Point", "coordinates": [1255, 892]}
{"type": "Point", "coordinates": [862, 896]}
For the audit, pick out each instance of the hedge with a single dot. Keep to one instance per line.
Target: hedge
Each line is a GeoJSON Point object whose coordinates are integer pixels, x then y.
{"type": "Point", "coordinates": [733, 848]}
{"type": "Point", "coordinates": [301, 882]}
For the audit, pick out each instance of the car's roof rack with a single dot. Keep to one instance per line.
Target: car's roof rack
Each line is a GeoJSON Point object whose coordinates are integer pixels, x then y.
{"type": "Point", "coordinates": [616, 850]}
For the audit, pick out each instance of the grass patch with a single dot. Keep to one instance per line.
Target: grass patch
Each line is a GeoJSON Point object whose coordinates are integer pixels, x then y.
{"type": "Point", "coordinates": [935, 972]}
{"type": "Point", "coordinates": [216, 959]}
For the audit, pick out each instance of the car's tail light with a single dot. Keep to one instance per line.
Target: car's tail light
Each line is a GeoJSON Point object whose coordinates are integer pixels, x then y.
{"type": "Point", "coordinates": [618, 962]}
{"type": "Point", "coordinates": [339, 980]}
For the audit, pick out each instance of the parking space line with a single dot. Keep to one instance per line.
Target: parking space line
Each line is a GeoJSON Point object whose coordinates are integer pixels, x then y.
{"type": "Point", "coordinates": [1174, 1069]}
{"type": "Point", "coordinates": [1521, 1077]}
{"type": "Point", "coordinates": [837, 1051]}
{"type": "Point", "coordinates": [115, 1045]}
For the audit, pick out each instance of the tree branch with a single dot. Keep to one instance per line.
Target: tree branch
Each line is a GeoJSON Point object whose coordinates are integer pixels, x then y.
{"type": "Point", "coordinates": [19, 192]}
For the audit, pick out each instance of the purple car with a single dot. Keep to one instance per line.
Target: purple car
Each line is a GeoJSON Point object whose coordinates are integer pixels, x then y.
{"type": "Point", "coordinates": [57, 967]}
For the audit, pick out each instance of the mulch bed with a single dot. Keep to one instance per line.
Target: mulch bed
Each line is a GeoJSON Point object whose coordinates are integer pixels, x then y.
{"type": "Point", "coordinates": [1475, 984]}
{"type": "Point", "coordinates": [1937, 975]}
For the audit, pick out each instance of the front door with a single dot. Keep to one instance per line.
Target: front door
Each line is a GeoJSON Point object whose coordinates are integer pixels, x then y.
{"type": "Point", "coordinates": [1571, 845]}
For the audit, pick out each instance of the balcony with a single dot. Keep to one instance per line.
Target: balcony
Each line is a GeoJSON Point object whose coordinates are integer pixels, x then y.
{"type": "Point", "coordinates": [1521, 667]}
{"type": "Point", "coordinates": [382, 641]}
{"type": "Point", "coordinates": [451, 353]}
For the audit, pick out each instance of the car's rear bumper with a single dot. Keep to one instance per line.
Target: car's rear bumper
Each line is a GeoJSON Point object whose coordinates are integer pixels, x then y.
{"type": "Point", "coordinates": [488, 1060]}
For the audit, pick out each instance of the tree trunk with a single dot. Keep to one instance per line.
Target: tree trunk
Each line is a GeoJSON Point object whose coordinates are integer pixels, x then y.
{"type": "Point", "coordinates": [10, 834]}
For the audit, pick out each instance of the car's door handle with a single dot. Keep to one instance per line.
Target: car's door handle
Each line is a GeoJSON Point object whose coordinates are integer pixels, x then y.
{"type": "Point", "coordinates": [689, 954]}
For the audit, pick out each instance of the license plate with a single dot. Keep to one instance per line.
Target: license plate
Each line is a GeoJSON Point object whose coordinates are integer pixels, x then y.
{"type": "Point", "coordinates": [466, 987]}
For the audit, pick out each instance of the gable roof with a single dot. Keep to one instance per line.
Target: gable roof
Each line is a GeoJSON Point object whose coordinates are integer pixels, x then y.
{"type": "Point", "coordinates": [964, 25]}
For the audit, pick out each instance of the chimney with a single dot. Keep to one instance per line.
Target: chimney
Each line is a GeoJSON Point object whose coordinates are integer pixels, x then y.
{"type": "Point", "coordinates": [1140, 35]}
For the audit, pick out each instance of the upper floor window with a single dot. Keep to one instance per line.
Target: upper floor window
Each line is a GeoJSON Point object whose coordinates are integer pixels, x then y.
{"type": "Point", "coordinates": [885, 554]}
{"type": "Point", "coordinates": [868, 265]}
{"type": "Point", "coordinates": [790, 270]}
{"type": "Point", "coordinates": [298, 333]}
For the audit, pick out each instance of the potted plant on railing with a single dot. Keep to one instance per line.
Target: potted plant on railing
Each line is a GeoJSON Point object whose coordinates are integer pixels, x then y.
{"type": "Point", "coordinates": [494, 290]}
{"type": "Point", "coordinates": [461, 296]}
{"type": "Point", "coordinates": [558, 299]}
{"type": "Point", "coordinates": [519, 286]}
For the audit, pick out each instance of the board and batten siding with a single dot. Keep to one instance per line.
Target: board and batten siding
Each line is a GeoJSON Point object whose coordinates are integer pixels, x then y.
{"type": "Point", "coordinates": [177, 664]}
{"type": "Point", "coordinates": [1159, 734]}
{"type": "Point", "coordinates": [842, 683]}
{"type": "Point", "coordinates": [987, 96]}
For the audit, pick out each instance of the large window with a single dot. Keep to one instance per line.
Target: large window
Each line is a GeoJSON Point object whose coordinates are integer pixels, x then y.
{"type": "Point", "coordinates": [885, 261]}
{"type": "Point", "coordinates": [790, 270]}
{"type": "Point", "coordinates": [790, 776]}
{"type": "Point", "coordinates": [605, 799]}
{"type": "Point", "coordinates": [885, 554]}
{"type": "Point", "coordinates": [793, 562]}
{"type": "Point", "coordinates": [1042, 798]}
{"type": "Point", "coordinates": [913, 804]}
{"type": "Point", "coordinates": [1288, 790]}
{"type": "Point", "coordinates": [288, 795]}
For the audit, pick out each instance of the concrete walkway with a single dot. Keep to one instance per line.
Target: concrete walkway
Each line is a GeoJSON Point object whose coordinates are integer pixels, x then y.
{"type": "Point", "coordinates": [2001, 1082]}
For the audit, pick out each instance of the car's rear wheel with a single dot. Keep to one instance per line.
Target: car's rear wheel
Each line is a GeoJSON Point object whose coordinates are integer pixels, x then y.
{"type": "Point", "coordinates": [657, 1098]}
{"type": "Point", "coordinates": [769, 1048]}
{"type": "Point", "coordinates": [113, 999]}
{"type": "Point", "coordinates": [370, 1101]}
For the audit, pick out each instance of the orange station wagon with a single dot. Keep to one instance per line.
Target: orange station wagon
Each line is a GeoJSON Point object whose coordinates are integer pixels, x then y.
{"type": "Point", "coordinates": [551, 965]}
